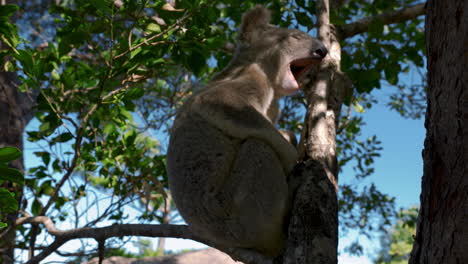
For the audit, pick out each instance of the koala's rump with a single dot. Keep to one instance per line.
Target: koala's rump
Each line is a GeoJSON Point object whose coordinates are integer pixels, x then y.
{"type": "Point", "coordinates": [227, 189]}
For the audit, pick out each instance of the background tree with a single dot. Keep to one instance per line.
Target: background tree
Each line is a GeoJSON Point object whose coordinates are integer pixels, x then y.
{"type": "Point", "coordinates": [442, 229]}
{"type": "Point", "coordinates": [398, 241]}
{"type": "Point", "coordinates": [111, 74]}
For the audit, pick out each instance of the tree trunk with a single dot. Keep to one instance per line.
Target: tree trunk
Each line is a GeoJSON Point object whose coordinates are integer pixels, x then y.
{"type": "Point", "coordinates": [313, 226]}
{"type": "Point", "coordinates": [442, 228]}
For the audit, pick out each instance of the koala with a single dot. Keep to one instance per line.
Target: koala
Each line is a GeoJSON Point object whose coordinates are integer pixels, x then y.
{"type": "Point", "coordinates": [228, 164]}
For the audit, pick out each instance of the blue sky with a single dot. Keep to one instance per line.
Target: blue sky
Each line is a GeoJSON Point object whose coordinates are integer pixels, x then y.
{"type": "Point", "coordinates": [399, 170]}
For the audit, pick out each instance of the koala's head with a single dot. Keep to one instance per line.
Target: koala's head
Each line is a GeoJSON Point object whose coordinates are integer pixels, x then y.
{"type": "Point", "coordinates": [286, 55]}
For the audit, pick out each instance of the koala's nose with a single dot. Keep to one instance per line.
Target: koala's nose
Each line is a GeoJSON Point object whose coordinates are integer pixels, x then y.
{"type": "Point", "coordinates": [322, 51]}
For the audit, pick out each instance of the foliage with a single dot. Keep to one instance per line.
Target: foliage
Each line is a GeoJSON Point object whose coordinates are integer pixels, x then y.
{"type": "Point", "coordinates": [8, 200]}
{"type": "Point", "coordinates": [378, 54]}
{"type": "Point", "coordinates": [8, 32]}
{"type": "Point", "coordinates": [398, 241]}
{"type": "Point", "coordinates": [111, 75]}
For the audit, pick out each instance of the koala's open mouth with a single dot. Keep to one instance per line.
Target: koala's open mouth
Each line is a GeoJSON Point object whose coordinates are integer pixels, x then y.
{"type": "Point", "coordinates": [295, 75]}
{"type": "Point", "coordinates": [300, 67]}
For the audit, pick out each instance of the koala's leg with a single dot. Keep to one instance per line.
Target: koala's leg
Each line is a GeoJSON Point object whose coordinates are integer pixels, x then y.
{"type": "Point", "coordinates": [199, 160]}
{"type": "Point", "coordinates": [260, 197]}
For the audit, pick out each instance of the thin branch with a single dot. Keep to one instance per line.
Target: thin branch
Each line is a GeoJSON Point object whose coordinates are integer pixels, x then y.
{"type": "Point", "coordinates": [67, 94]}
{"type": "Point", "coordinates": [393, 17]}
{"type": "Point", "coordinates": [79, 138]}
{"type": "Point", "coordinates": [32, 241]}
{"type": "Point", "coordinates": [69, 172]}
{"type": "Point", "coordinates": [58, 112]}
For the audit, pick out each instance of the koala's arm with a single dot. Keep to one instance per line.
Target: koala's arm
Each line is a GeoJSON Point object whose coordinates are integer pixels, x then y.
{"type": "Point", "coordinates": [289, 136]}
{"type": "Point", "coordinates": [273, 114]}
{"type": "Point", "coordinates": [239, 119]}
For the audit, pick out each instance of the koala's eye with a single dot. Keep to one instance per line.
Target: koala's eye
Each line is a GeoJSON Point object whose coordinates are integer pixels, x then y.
{"type": "Point", "coordinates": [296, 36]}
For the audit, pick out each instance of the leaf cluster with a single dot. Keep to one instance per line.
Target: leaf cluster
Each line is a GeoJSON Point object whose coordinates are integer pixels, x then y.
{"type": "Point", "coordinates": [397, 242]}
{"type": "Point", "coordinates": [8, 176]}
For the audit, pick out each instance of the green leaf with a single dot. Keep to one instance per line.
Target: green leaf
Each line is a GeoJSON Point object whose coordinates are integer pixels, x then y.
{"type": "Point", "coordinates": [33, 136]}
{"type": "Point", "coordinates": [64, 137]}
{"type": "Point", "coordinates": [23, 87]}
{"type": "Point", "coordinates": [135, 52]}
{"type": "Point", "coordinates": [8, 202]}
{"type": "Point", "coordinates": [44, 155]}
{"type": "Point", "coordinates": [391, 74]}
{"type": "Point", "coordinates": [26, 60]}
{"type": "Point", "coordinates": [36, 207]}
{"type": "Point", "coordinates": [46, 188]}
{"type": "Point", "coordinates": [358, 108]}
{"type": "Point", "coordinates": [9, 153]}
{"type": "Point", "coordinates": [9, 66]}
{"type": "Point", "coordinates": [153, 27]}
{"type": "Point", "coordinates": [109, 128]}
{"type": "Point", "coordinates": [45, 126]}
{"type": "Point", "coordinates": [55, 75]}
{"type": "Point", "coordinates": [13, 175]}
{"type": "Point", "coordinates": [56, 166]}
{"type": "Point", "coordinates": [3, 225]}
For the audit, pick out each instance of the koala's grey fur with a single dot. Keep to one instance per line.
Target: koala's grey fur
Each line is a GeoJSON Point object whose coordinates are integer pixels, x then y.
{"type": "Point", "coordinates": [227, 162]}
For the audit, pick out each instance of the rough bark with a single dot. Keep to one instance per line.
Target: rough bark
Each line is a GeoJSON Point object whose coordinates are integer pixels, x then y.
{"type": "Point", "coordinates": [442, 228]}
{"type": "Point", "coordinates": [313, 227]}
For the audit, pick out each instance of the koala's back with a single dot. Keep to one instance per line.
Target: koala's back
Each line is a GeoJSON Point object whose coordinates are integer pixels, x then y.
{"type": "Point", "coordinates": [225, 187]}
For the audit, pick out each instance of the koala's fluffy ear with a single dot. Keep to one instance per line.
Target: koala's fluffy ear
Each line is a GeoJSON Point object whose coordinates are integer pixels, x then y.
{"type": "Point", "coordinates": [255, 19]}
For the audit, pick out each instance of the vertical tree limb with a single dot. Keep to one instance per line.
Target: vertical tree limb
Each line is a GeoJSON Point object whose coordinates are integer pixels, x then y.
{"type": "Point", "coordinates": [313, 228]}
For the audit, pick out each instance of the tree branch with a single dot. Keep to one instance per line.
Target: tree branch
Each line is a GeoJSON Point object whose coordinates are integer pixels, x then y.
{"type": "Point", "coordinates": [102, 233]}
{"type": "Point", "coordinates": [147, 41]}
{"type": "Point", "coordinates": [145, 230]}
{"type": "Point", "coordinates": [393, 17]}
